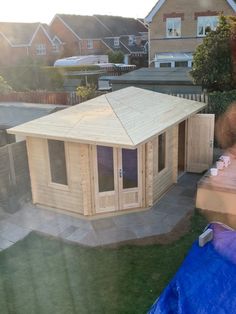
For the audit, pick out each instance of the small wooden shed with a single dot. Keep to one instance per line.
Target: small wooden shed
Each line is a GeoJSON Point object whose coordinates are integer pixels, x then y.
{"type": "Point", "coordinates": [118, 151]}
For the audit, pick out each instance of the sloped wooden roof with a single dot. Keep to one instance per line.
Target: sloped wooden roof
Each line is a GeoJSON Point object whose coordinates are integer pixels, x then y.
{"type": "Point", "coordinates": [127, 118]}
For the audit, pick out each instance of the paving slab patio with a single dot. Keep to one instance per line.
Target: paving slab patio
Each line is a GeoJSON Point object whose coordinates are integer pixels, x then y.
{"type": "Point", "coordinates": [159, 220]}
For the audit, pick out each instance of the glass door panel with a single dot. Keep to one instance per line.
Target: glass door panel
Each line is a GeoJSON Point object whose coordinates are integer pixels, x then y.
{"type": "Point", "coordinates": [105, 166]}
{"type": "Point", "coordinates": [129, 168]}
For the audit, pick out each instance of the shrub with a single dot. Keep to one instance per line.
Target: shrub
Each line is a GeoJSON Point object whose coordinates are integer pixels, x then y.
{"type": "Point", "coordinates": [4, 86]}
{"type": "Point", "coordinates": [33, 77]}
{"type": "Point", "coordinates": [86, 92]}
{"type": "Point", "coordinates": [220, 101]}
{"type": "Point", "coordinates": [212, 60]}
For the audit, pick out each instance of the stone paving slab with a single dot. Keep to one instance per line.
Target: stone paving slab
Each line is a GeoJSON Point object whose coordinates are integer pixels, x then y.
{"type": "Point", "coordinates": [4, 244]}
{"type": "Point", "coordinates": [115, 235]}
{"type": "Point", "coordinates": [90, 239]}
{"type": "Point", "coordinates": [128, 219]}
{"type": "Point", "coordinates": [103, 224]}
{"type": "Point", "coordinates": [12, 232]}
{"type": "Point", "coordinates": [158, 220]}
{"type": "Point", "coordinates": [150, 230]}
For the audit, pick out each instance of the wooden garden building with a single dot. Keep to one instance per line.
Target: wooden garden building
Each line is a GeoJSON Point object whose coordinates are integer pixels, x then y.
{"type": "Point", "coordinates": [119, 151]}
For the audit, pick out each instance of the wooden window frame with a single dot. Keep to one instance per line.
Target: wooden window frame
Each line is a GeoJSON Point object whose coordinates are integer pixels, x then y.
{"type": "Point", "coordinates": [162, 168]}
{"type": "Point", "coordinates": [58, 186]}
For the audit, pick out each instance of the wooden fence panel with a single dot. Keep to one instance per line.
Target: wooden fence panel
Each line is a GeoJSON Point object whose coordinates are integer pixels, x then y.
{"type": "Point", "coordinates": [56, 98]}
{"type": "Point", "coordinates": [197, 97]}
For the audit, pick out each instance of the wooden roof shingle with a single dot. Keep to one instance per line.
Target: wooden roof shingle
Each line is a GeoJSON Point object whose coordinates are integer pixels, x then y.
{"type": "Point", "coordinates": [127, 118]}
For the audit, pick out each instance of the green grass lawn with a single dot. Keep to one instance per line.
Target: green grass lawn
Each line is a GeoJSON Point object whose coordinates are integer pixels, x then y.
{"type": "Point", "coordinates": [44, 275]}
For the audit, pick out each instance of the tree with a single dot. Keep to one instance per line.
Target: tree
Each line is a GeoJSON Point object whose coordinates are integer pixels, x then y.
{"type": "Point", "coordinates": [4, 86]}
{"type": "Point", "coordinates": [116, 57]}
{"type": "Point", "coordinates": [212, 60]}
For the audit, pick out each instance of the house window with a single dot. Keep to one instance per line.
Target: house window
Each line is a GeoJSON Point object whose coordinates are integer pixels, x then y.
{"type": "Point", "coordinates": [116, 41]}
{"type": "Point", "coordinates": [205, 24]}
{"type": "Point", "coordinates": [132, 40]}
{"type": "Point", "coordinates": [90, 44]}
{"type": "Point", "coordinates": [173, 27]}
{"type": "Point", "coordinates": [57, 160]}
{"type": "Point", "coordinates": [165, 64]}
{"type": "Point", "coordinates": [181, 64]}
{"type": "Point", "coordinates": [56, 48]}
{"type": "Point", "coordinates": [161, 152]}
{"type": "Point", "coordinates": [41, 50]}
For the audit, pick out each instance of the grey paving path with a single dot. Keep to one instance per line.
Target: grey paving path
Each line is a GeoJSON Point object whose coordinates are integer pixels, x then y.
{"type": "Point", "coordinates": [158, 220]}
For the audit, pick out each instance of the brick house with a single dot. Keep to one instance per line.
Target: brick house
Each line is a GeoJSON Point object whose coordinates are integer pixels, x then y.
{"type": "Point", "coordinates": [24, 40]}
{"type": "Point", "coordinates": [128, 35]}
{"type": "Point", "coordinates": [98, 34]}
{"type": "Point", "coordinates": [177, 27]}
{"type": "Point", "coordinates": [81, 35]}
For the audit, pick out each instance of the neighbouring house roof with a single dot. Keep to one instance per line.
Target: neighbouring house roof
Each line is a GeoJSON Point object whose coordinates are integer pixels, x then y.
{"type": "Point", "coordinates": [127, 118]}
{"type": "Point", "coordinates": [22, 34]}
{"type": "Point", "coordinates": [122, 25]}
{"type": "Point", "coordinates": [18, 33]}
{"type": "Point", "coordinates": [110, 43]}
{"type": "Point", "coordinates": [159, 4]}
{"type": "Point", "coordinates": [84, 26]}
{"type": "Point", "coordinates": [160, 76]}
{"type": "Point", "coordinates": [12, 114]}
{"type": "Point", "coordinates": [133, 48]}
{"type": "Point", "coordinates": [124, 46]}
{"type": "Point", "coordinates": [50, 32]}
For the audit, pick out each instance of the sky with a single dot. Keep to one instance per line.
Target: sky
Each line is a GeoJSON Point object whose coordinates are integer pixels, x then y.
{"type": "Point", "coordinates": [44, 10]}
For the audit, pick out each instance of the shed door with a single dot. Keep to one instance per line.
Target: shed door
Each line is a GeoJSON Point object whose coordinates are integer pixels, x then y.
{"type": "Point", "coordinates": [130, 178]}
{"type": "Point", "coordinates": [106, 180]}
{"type": "Point", "coordinates": [200, 142]}
{"type": "Point", "coordinates": [118, 178]}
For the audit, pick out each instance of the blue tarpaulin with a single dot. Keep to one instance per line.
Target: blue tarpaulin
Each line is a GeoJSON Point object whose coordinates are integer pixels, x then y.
{"type": "Point", "coordinates": [206, 281]}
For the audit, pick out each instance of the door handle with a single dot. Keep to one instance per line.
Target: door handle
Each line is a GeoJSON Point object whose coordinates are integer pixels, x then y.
{"type": "Point", "coordinates": [211, 143]}
{"type": "Point", "coordinates": [121, 173]}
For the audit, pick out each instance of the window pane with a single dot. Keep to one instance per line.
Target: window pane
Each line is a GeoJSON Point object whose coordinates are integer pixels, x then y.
{"type": "Point", "coordinates": [177, 28]}
{"type": "Point", "coordinates": [105, 168]}
{"type": "Point", "coordinates": [173, 27]}
{"type": "Point", "coordinates": [165, 65]}
{"type": "Point", "coordinates": [161, 152]}
{"type": "Point", "coordinates": [57, 160]}
{"type": "Point", "coordinates": [179, 64]}
{"type": "Point", "coordinates": [206, 24]}
{"type": "Point", "coordinates": [130, 168]}
{"type": "Point", "coordinates": [200, 30]}
{"type": "Point", "coordinates": [90, 44]}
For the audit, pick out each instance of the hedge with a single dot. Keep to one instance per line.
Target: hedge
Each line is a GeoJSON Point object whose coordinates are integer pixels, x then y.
{"type": "Point", "coordinates": [33, 77]}
{"type": "Point", "coordinates": [218, 102]}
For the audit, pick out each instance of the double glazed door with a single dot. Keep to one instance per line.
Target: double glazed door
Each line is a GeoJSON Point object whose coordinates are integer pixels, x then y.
{"type": "Point", "coordinates": [118, 178]}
